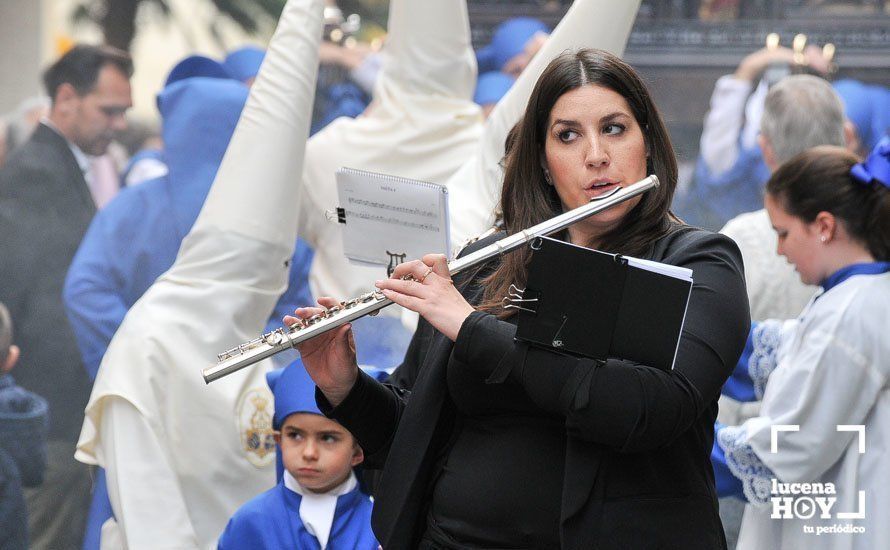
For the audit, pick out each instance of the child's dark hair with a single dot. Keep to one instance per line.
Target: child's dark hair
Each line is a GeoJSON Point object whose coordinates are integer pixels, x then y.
{"type": "Point", "coordinates": [5, 333]}
{"type": "Point", "coordinates": [819, 180]}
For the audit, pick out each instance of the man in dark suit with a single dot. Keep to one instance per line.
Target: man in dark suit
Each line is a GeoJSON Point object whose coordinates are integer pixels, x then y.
{"type": "Point", "coordinates": [46, 205]}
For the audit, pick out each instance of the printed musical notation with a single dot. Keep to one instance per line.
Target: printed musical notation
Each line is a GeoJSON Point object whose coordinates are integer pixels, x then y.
{"type": "Point", "coordinates": [381, 213]}
{"type": "Point", "coordinates": [402, 210]}
{"type": "Point", "coordinates": [392, 221]}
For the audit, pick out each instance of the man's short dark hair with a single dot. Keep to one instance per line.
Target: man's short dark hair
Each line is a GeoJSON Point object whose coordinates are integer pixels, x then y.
{"type": "Point", "coordinates": [5, 333]}
{"type": "Point", "coordinates": [81, 65]}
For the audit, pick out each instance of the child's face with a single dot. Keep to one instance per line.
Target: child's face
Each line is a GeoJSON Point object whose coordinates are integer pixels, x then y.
{"type": "Point", "coordinates": [317, 451]}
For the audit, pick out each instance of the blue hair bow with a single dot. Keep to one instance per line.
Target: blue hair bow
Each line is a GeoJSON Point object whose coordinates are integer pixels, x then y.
{"type": "Point", "coordinates": [876, 167]}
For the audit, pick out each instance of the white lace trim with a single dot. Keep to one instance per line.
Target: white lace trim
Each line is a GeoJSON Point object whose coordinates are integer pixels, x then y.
{"type": "Point", "coordinates": [765, 339]}
{"type": "Point", "coordinates": [744, 464]}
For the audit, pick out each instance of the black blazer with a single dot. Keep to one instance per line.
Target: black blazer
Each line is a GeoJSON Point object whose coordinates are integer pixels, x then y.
{"type": "Point", "coordinates": [637, 467]}
{"type": "Point", "coordinates": [45, 209]}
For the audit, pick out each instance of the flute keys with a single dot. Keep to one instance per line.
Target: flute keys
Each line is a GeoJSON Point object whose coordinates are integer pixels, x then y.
{"type": "Point", "coordinates": [274, 338]}
{"type": "Point", "coordinates": [314, 319]}
{"type": "Point", "coordinates": [226, 354]}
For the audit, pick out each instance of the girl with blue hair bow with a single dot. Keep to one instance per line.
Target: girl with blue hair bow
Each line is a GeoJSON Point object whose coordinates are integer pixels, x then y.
{"type": "Point", "coordinates": [824, 377]}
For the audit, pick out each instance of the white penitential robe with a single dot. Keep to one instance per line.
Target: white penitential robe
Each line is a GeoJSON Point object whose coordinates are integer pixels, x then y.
{"type": "Point", "coordinates": [423, 125]}
{"type": "Point", "coordinates": [182, 456]}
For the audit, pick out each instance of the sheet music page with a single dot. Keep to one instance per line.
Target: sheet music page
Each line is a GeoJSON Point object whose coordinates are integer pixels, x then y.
{"type": "Point", "coordinates": [657, 267]}
{"type": "Point", "coordinates": [389, 220]}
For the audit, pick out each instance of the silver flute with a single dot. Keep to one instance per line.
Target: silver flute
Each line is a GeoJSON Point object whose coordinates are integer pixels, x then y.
{"type": "Point", "coordinates": [370, 303]}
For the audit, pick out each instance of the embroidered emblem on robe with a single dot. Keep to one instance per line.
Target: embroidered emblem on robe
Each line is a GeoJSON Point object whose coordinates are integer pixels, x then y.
{"type": "Point", "coordinates": [254, 417]}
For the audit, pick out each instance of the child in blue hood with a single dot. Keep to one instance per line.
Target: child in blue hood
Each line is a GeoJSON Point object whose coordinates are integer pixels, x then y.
{"type": "Point", "coordinates": [317, 503]}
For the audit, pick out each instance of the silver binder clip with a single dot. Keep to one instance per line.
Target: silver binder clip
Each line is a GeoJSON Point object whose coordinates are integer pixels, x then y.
{"type": "Point", "coordinates": [336, 215]}
{"type": "Point", "coordinates": [514, 297]}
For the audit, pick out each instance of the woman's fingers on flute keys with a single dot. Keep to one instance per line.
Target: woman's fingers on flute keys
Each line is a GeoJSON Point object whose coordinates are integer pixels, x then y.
{"type": "Point", "coordinates": [301, 313]}
{"type": "Point", "coordinates": [439, 264]}
{"type": "Point", "coordinates": [329, 357]}
{"type": "Point", "coordinates": [428, 291]}
{"type": "Point", "coordinates": [415, 269]}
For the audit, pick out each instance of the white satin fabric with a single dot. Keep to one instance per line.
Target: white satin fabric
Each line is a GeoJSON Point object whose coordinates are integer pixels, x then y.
{"type": "Point", "coordinates": [317, 509]}
{"type": "Point", "coordinates": [423, 125]}
{"type": "Point", "coordinates": [179, 453]}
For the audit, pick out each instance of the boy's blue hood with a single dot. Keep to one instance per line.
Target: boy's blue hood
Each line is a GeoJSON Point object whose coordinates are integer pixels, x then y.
{"type": "Point", "coordinates": [294, 392]}
{"type": "Point", "coordinates": [199, 117]}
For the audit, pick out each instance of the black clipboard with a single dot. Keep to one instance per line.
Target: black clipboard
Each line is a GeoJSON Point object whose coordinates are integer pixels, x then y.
{"type": "Point", "coordinates": [599, 305]}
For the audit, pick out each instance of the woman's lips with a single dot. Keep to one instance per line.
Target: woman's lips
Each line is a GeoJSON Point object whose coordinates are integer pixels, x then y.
{"type": "Point", "coordinates": [599, 189]}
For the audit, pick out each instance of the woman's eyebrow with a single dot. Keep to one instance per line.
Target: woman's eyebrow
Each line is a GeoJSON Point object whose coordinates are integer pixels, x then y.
{"type": "Point", "coordinates": [565, 122]}
{"type": "Point", "coordinates": [612, 116]}
{"type": "Point", "coordinates": [607, 118]}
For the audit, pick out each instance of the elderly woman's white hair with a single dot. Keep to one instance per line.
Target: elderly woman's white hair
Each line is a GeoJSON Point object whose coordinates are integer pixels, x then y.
{"type": "Point", "coordinates": [800, 112]}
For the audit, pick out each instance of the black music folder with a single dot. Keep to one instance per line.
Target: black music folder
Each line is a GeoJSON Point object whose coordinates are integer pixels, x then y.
{"type": "Point", "coordinates": [599, 305]}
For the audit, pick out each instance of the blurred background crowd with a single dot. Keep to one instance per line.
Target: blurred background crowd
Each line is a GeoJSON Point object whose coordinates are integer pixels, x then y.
{"type": "Point", "coordinates": [681, 46]}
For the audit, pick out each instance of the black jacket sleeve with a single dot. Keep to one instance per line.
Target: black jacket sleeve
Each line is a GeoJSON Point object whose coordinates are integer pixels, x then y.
{"type": "Point", "coordinates": [626, 406]}
{"type": "Point", "coordinates": [371, 412]}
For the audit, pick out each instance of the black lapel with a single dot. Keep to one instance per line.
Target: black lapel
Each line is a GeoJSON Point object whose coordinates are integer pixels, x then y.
{"type": "Point", "coordinates": [399, 499]}
{"type": "Point", "coordinates": [72, 177]}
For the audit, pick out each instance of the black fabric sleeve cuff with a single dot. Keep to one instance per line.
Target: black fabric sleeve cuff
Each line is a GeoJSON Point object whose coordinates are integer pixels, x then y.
{"type": "Point", "coordinates": [557, 383]}
{"type": "Point", "coordinates": [484, 342]}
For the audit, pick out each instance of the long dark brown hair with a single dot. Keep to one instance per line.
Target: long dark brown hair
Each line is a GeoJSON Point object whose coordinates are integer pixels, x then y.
{"type": "Point", "coordinates": [527, 199]}
{"type": "Point", "coordinates": [819, 180]}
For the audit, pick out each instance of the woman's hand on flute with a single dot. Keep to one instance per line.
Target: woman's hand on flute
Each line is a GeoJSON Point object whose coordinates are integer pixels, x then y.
{"type": "Point", "coordinates": [329, 358]}
{"type": "Point", "coordinates": [429, 292]}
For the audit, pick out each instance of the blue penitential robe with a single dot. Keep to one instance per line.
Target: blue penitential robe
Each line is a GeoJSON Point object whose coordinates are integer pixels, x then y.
{"type": "Point", "coordinates": [272, 520]}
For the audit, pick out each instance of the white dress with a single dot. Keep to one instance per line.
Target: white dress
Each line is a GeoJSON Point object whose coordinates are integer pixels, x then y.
{"type": "Point", "coordinates": [832, 370]}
